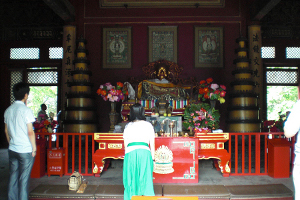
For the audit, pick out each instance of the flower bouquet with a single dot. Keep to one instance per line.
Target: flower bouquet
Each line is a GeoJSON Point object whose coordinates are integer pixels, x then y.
{"type": "Point", "coordinates": [112, 93]}
{"type": "Point", "coordinates": [275, 126]}
{"type": "Point", "coordinates": [45, 126]}
{"type": "Point", "coordinates": [201, 117]}
{"type": "Point", "coordinates": [211, 91]}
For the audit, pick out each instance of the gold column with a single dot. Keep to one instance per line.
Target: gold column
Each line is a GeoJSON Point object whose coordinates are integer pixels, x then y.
{"type": "Point", "coordinates": [69, 46]}
{"type": "Point", "coordinates": [256, 64]}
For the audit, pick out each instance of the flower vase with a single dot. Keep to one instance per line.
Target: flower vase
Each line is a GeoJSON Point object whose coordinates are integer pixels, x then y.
{"type": "Point", "coordinates": [192, 132]}
{"type": "Point", "coordinates": [213, 103]}
{"type": "Point", "coordinates": [113, 116]}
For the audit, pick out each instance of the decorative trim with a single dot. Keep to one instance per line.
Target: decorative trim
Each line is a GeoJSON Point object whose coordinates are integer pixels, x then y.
{"type": "Point", "coordinates": [114, 146]}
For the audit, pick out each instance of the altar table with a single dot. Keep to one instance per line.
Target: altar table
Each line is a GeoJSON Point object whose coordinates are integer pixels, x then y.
{"type": "Point", "coordinates": [209, 145]}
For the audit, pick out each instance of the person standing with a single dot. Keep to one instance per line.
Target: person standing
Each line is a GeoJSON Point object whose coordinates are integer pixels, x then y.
{"type": "Point", "coordinates": [291, 128]}
{"type": "Point", "coordinates": [18, 119]}
{"type": "Point", "coordinates": [42, 115]}
{"type": "Point", "coordinates": [138, 161]}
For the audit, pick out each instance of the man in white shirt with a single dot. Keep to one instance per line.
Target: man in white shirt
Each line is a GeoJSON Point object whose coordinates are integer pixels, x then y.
{"type": "Point", "coordinates": [291, 128]}
{"type": "Point", "coordinates": [18, 119]}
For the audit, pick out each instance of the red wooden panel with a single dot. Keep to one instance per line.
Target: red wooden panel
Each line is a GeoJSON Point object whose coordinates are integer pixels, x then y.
{"type": "Point", "coordinates": [176, 160]}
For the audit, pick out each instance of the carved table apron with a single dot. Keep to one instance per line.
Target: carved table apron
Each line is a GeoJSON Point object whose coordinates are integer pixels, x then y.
{"type": "Point", "coordinates": [211, 145]}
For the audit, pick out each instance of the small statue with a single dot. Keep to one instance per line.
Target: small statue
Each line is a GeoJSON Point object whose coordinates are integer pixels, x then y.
{"type": "Point", "coordinates": [162, 108]}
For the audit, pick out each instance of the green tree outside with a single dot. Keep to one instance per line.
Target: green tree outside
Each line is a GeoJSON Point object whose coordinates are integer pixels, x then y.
{"type": "Point", "coordinates": [43, 94]}
{"type": "Point", "coordinates": [280, 99]}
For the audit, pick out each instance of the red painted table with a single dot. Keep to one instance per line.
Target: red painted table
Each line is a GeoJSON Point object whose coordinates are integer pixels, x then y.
{"type": "Point", "coordinates": [210, 145]}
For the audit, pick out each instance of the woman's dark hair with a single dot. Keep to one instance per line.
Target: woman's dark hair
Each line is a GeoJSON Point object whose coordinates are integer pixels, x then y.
{"type": "Point", "coordinates": [20, 89]}
{"type": "Point", "coordinates": [137, 112]}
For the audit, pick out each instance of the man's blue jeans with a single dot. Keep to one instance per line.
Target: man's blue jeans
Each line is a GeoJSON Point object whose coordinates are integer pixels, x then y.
{"type": "Point", "coordinates": [20, 165]}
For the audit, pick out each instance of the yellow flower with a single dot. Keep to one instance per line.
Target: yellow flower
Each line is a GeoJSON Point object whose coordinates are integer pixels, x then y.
{"type": "Point", "coordinates": [222, 100]}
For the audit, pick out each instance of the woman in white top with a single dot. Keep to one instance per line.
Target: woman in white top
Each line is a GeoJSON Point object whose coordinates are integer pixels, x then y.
{"type": "Point", "coordinates": [139, 155]}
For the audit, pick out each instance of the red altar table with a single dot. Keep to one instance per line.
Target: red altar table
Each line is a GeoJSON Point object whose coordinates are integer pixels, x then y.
{"type": "Point", "coordinates": [209, 145]}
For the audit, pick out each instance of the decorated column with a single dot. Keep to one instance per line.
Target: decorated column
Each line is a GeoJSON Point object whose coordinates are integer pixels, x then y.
{"type": "Point", "coordinates": [255, 43]}
{"type": "Point", "coordinates": [69, 45]}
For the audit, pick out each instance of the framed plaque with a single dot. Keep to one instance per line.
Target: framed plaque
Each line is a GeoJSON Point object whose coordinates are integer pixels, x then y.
{"type": "Point", "coordinates": [163, 43]}
{"type": "Point", "coordinates": [208, 47]}
{"type": "Point", "coordinates": [117, 48]}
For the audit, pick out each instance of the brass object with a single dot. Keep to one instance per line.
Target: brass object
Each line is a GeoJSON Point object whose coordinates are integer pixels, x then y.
{"type": "Point", "coordinates": [162, 107]}
{"type": "Point", "coordinates": [172, 125]}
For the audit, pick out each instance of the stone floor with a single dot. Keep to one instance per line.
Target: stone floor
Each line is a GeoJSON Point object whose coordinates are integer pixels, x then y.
{"type": "Point", "coordinates": [113, 176]}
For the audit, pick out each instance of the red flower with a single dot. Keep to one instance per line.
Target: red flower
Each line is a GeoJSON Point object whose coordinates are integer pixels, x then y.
{"type": "Point", "coordinates": [206, 96]}
{"type": "Point", "coordinates": [205, 90]}
{"type": "Point", "coordinates": [201, 91]}
{"type": "Point", "coordinates": [99, 91]}
{"type": "Point", "coordinates": [202, 82]}
{"type": "Point", "coordinates": [217, 92]}
{"type": "Point", "coordinates": [209, 80]}
{"type": "Point", "coordinates": [222, 93]}
{"type": "Point", "coordinates": [269, 123]}
{"type": "Point", "coordinates": [120, 84]}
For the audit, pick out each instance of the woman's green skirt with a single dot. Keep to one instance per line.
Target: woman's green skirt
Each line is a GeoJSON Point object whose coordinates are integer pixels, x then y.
{"type": "Point", "coordinates": [138, 174]}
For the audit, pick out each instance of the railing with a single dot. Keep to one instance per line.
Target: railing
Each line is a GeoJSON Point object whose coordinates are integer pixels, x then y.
{"type": "Point", "coordinates": [249, 152]}
{"type": "Point", "coordinates": [79, 148]}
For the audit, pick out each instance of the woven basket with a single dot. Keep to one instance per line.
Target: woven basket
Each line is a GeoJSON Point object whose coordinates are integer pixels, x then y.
{"type": "Point", "coordinates": [74, 181]}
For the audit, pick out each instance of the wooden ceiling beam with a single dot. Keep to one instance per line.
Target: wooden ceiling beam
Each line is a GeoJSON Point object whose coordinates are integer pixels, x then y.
{"type": "Point", "coordinates": [265, 10]}
{"type": "Point", "coordinates": [63, 8]}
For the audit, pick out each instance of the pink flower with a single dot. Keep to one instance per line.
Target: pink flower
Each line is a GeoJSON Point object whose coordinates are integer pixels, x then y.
{"type": "Point", "coordinates": [109, 86]}
{"type": "Point", "coordinates": [214, 86]}
{"type": "Point", "coordinates": [192, 114]}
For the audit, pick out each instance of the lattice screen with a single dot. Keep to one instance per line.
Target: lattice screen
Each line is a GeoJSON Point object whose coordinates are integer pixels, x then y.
{"type": "Point", "coordinates": [293, 52]}
{"type": "Point", "coordinates": [24, 53]}
{"type": "Point", "coordinates": [268, 52]}
{"type": "Point", "coordinates": [282, 77]}
{"type": "Point", "coordinates": [34, 77]}
{"type": "Point", "coordinates": [15, 77]}
{"type": "Point", "coordinates": [55, 52]}
{"type": "Point", "coordinates": [42, 77]}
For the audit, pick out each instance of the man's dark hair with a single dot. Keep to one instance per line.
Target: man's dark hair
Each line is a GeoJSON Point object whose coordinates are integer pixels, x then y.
{"type": "Point", "coordinates": [20, 89]}
{"type": "Point", "coordinates": [137, 112]}
{"type": "Point", "coordinates": [42, 105]}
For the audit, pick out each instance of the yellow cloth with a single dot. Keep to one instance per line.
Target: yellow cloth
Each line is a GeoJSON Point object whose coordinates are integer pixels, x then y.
{"type": "Point", "coordinates": [160, 85]}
